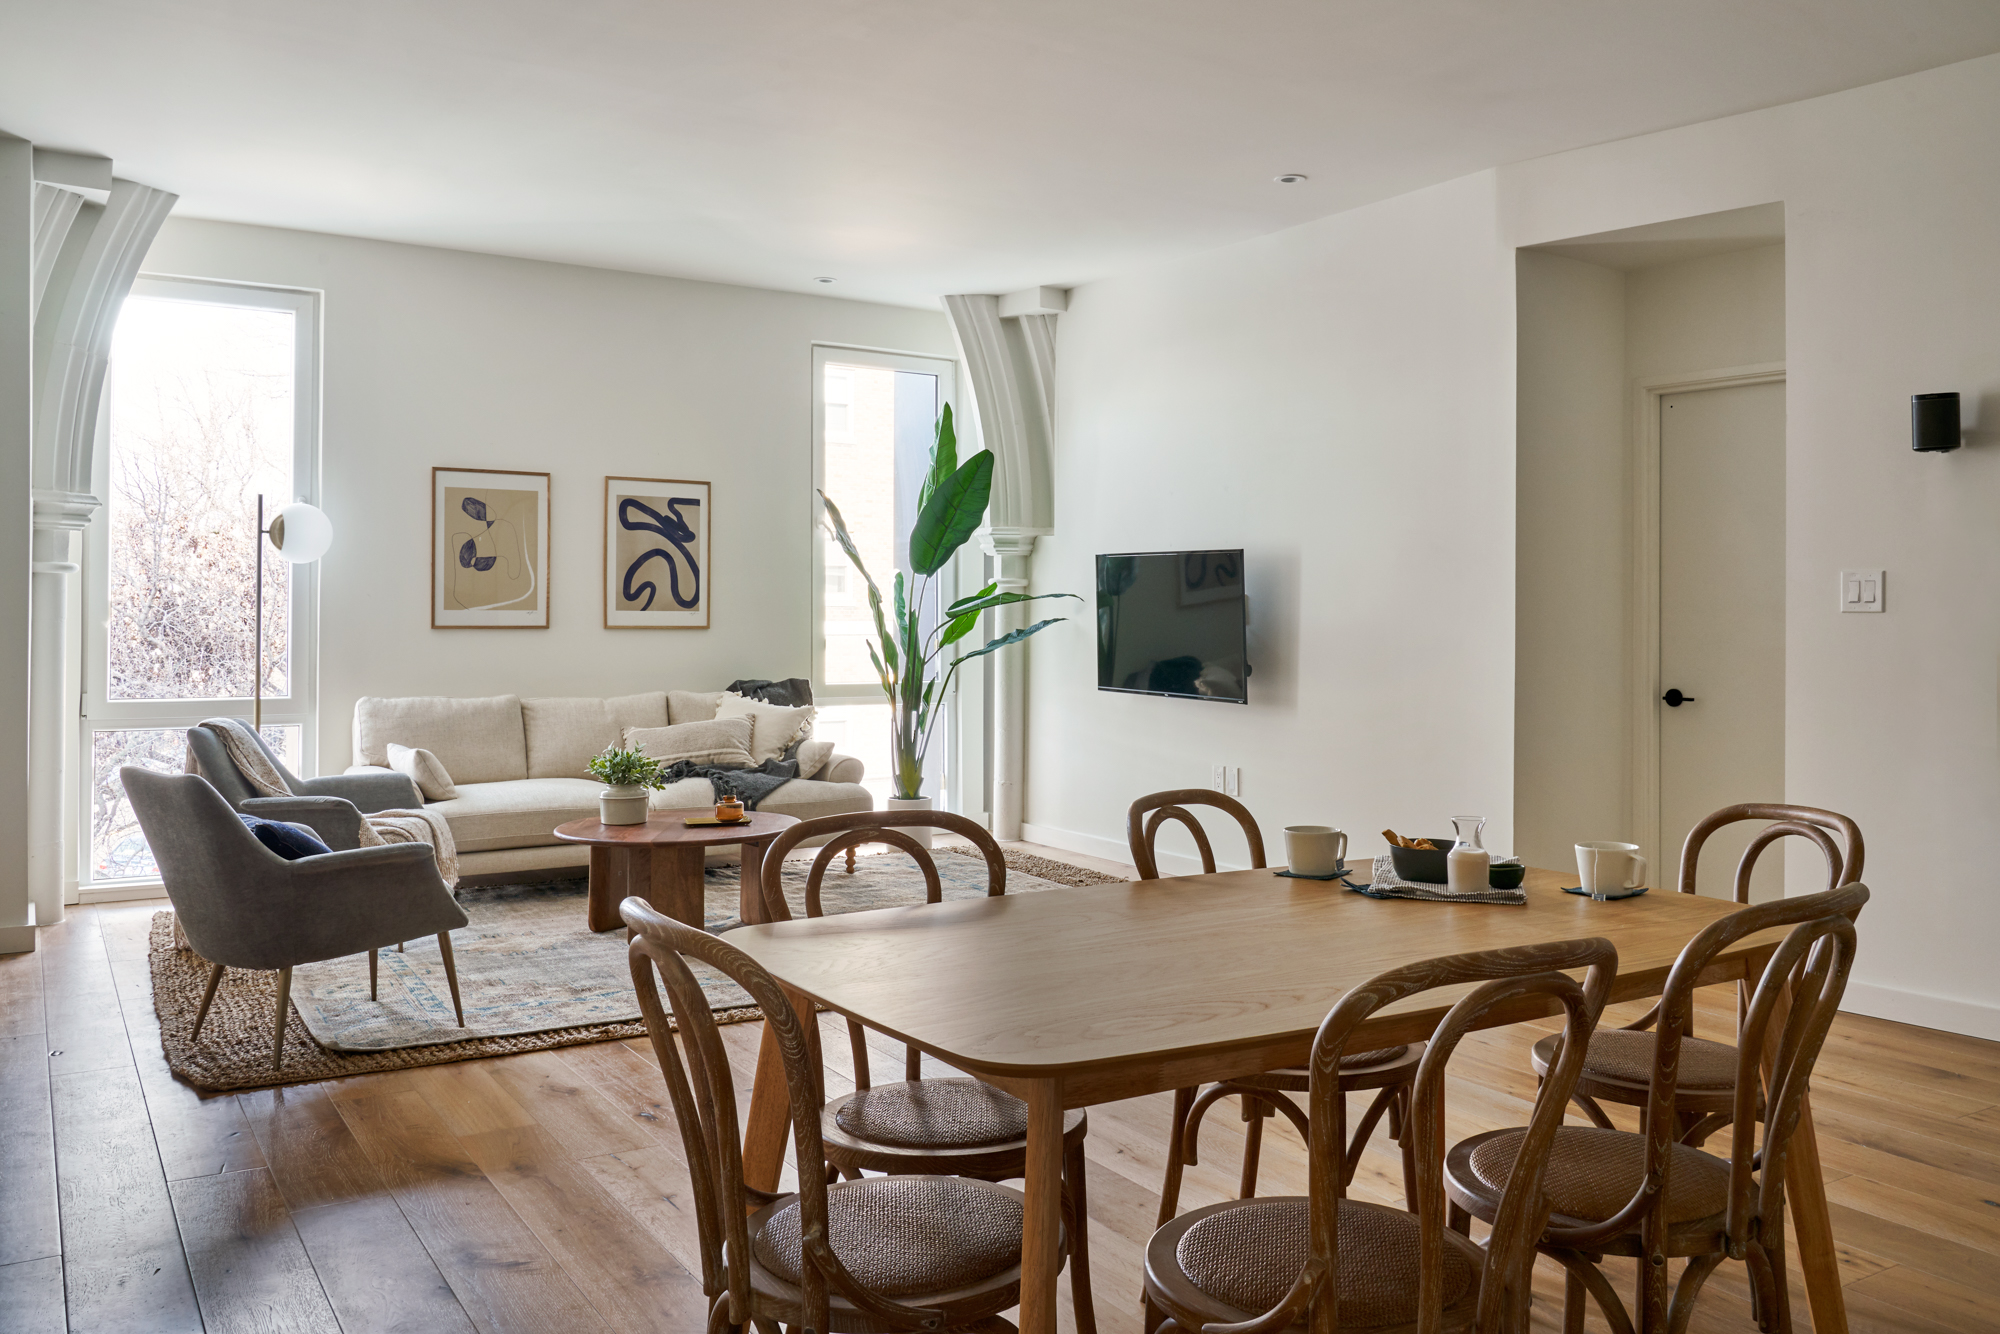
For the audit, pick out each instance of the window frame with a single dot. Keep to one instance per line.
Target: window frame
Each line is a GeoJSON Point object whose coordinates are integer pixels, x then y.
{"type": "Point", "coordinates": [946, 370]}
{"type": "Point", "coordinates": [300, 708]}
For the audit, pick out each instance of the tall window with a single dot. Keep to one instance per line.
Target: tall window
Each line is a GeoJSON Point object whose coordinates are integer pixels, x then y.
{"type": "Point", "coordinates": [210, 402]}
{"type": "Point", "coordinates": [875, 418]}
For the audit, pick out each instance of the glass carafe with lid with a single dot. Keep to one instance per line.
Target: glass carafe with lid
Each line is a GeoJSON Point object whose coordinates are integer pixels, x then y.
{"type": "Point", "coordinates": [1467, 865]}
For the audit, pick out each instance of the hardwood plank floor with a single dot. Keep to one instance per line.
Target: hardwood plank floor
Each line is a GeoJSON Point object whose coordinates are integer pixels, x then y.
{"type": "Point", "coordinates": [549, 1191]}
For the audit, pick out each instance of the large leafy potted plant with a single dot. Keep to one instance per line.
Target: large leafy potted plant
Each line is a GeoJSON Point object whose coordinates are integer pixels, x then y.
{"type": "Point", "coordinates": [907, 656]}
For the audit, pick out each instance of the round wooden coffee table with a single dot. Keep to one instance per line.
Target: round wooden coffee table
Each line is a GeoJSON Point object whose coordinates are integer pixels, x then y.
{"type": "Point", "coordinates": [661, 861]}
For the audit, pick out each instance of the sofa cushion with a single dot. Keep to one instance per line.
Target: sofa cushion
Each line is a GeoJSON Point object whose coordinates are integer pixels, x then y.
{"type": "Point", "coordinates": [813, 757]}
{"type": "Point", "coordinates": [519, 814]}
{"type": "Point", "coordinates": [692, 706]}
{"type": "Point", "coordinates": [477, 740]}
{"type": "Point", "coordinates": [562, 734]}
{"type": "Point", "coordinates": [809, 799]}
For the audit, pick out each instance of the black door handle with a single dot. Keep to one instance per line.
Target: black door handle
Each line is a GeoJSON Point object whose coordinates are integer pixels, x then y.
{"type": "Point", "coordinates": [1674, 698]}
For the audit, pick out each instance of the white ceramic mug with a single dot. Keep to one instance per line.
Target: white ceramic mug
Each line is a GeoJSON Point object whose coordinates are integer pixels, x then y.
{"type": "Point", "coordinates": [1314, 849]}
{"type": "Point", "coordinates": [1609, 867]}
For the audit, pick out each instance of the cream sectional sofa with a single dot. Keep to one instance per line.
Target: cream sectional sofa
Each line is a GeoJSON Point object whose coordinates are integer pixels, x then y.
{"type": "Point", "coordinates": [519, 763]}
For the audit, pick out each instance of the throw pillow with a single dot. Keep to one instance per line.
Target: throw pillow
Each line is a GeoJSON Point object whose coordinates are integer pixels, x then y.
{"type": "Point", "coordinates": [425, 770]}
{"type": "Point", "coordinates": [774, 728]}
{"type": "Point", "coordinates": [813, 757]}
{"type": "Point", "coordinates": [290, 841]}
{"type": "Point", "coordinates": [723, 743]}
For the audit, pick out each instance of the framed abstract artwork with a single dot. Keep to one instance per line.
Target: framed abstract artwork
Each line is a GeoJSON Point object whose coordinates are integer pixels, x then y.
{"type": "Point", "coordinates": [656, 571]}
{"type": "Point", "coordinates": [489, 549]}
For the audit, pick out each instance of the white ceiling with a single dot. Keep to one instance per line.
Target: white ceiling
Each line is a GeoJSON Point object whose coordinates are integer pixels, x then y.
{"type": "Point", "coordinates": [907, 149]}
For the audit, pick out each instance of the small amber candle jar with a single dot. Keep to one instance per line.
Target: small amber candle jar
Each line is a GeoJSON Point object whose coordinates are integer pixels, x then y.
{"type": "Point", "coordinates": [729, 808]}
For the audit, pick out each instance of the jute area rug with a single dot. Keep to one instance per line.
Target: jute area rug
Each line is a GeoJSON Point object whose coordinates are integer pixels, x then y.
{"type": "Point", "coordinates": [531, 975]}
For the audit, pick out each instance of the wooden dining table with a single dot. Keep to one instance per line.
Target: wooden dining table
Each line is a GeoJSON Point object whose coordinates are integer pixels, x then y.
{"type": "Point", "coordinates": [1071, 997]}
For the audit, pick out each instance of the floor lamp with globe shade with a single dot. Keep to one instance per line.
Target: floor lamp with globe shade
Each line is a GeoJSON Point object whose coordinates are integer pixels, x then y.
{"type": "Point", "coordinates": [301, 533]}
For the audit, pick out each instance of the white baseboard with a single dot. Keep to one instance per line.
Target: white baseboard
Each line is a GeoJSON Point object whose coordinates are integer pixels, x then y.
{"type": "Point", "coordinates": [17, 939]}
{"type": "Point", "coordinates": [1171, 863]}
{"type": "Point", "coordinates": [1974, 1019]}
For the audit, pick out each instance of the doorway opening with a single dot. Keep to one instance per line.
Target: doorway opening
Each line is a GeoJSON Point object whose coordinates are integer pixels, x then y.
{"type": "Point", "coordinates": [1651, 552]}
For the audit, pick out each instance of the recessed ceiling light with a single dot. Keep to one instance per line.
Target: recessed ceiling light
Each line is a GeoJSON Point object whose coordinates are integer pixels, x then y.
{"type": "Point", "coordinates": [1292, 178]}
{"type": "Point", "coordinates": [822, 280]}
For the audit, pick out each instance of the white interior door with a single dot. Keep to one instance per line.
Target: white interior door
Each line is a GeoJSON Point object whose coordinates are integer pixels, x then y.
{"type": "Point", "coordinates": [1722, 621]}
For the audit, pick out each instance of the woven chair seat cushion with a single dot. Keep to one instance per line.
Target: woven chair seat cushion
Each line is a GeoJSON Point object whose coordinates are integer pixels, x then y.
{"type": "Point", "coordinates": [934, 1114]}
{"type": "Point", "coordinates": [1249, 1257]}
{"type": "Point", "coordinates": [1297, 1079]}
{"type": "Point", "coordinates": [1627, 1054]}
{"type": "Point", "coordinates": [1594, 1173]}
{"type": "Point", "coordinates": [904, 1236]}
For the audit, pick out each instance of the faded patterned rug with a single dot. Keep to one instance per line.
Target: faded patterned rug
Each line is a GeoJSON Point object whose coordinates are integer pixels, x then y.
{"type": "Point", "coordinates": [531, 975]}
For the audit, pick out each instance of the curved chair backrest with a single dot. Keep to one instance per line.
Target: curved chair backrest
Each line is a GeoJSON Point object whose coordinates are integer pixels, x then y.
{"type": "Point", "coordinates": [856, 830]}
{"type": "Point", "coordinates": [1506, 977]}
{"type": "Point", "coordinates": [214, 868]}
{"type": "Point", "coordinates": [211, 758]}
{"type": "Point", "coordinates": [1142, 829]}
{"type": "Point", "coordinates": [1798, 994]}
{"type": "Point", "coordinates": [1843, 858]}
{"type": "Point", "coordinates": [704, 1101]}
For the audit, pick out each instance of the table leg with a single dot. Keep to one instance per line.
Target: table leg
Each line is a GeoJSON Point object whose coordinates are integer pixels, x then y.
{"type": "Point", "coordinates": [750, 894]}
{"type": "Point", "coordinates": [1041, 1224]}
{"type": "Point", "coordinates": [674, 881]}
{"type": "Point", "coordinates": [1812, 1227]}
{"type": "Point", "coordinates": [615, 874]}
{"type": "Point", "coordinates": [770, 1114]}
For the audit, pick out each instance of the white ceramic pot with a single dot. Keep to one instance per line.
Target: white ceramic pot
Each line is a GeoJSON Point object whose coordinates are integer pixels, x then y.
{"type": "Point", "coordinates": [921, 833]}
{"type": "Point", "coordinates": [622, 805]}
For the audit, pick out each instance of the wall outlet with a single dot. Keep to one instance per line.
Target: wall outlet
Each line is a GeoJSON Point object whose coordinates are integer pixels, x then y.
{"type": "Point", "coordinates": [1220, 781]}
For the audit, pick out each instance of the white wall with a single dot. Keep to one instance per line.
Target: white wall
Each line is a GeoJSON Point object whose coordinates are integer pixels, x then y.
{"type": "Point", "coordinates": [1571, 760]}
{"type": "Point", "coordinates": [442, 358]}
{"type": "Point", "coordinates": [1339, 399]}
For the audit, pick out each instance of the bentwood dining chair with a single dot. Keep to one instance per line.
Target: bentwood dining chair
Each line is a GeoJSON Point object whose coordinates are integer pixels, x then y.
{"type": "Point", "coordinates": [1387, 1073]}
{"type": "Point", "coordinates": [919, 1125]}
{"type": "Point", "coordinates": [1653, 1197]}
{"type": "Point", "coordinates": [882, 1253]}
{"type": "Point", "coordinates": [1266, 1265]}
{"type": "Point", "coordinates": [1621, 1059]}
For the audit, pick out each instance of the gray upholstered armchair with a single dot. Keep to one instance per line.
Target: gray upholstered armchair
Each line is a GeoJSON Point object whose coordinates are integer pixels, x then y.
{"type": "Point", "coordinates": [333, 806]}
{"type": "Point", "coordinates": [243, 906]}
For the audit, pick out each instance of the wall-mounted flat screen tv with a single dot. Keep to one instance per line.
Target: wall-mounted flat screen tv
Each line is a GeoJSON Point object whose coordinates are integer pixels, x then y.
{"type": "Point", "coordinates": [1172, 623]}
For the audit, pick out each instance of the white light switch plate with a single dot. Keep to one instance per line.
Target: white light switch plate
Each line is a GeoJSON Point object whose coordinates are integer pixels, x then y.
{"type": "Point", "coordinates": [1861, 590]}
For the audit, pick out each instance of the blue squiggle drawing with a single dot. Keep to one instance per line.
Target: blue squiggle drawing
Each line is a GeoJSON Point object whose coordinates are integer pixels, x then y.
{"type": "Point", "coordinates": [678, 532]}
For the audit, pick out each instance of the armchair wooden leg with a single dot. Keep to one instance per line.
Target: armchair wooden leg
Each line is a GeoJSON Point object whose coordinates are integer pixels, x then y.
{"type": "Point", "coordinates": [451, 974]}
{"type": "Point", "coordinates": [284, 1004]}
{"type": "Point", "coordinates": [850, 861]}
{"type": "Point", "coordinates": [207, 998]}
{"type": "Point", "coordinates": [374, 962]}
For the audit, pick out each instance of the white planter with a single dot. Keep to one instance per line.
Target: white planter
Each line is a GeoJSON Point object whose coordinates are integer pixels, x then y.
{"type": "Point", "coordinates": [921, 833]}
{"type": "Point", "coordinates": [622, 805]}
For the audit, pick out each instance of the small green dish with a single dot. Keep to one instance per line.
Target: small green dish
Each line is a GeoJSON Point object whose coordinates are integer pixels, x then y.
{"type": "Point", "coordinates": [1506, 877]}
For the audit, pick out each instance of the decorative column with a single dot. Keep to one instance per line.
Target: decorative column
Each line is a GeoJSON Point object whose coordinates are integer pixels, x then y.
{"type": "Point", "coordinates": [91, 233]}
{"type": "Point", "coordinates": [1008, 346]}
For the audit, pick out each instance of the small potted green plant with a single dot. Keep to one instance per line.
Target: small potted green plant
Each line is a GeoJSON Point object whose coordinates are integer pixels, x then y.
{"type": "Point", "coordinates": [627, 776]}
